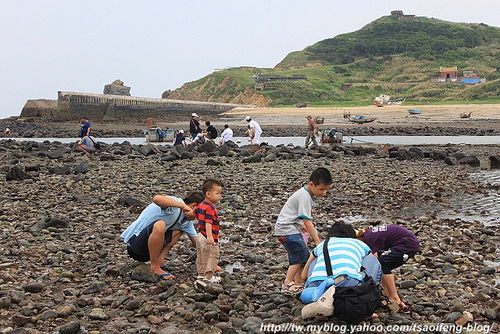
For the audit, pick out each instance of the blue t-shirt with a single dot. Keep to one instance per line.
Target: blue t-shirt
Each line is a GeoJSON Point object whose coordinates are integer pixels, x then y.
{"type": "Point", "coordinates": [84, 127]}
{"type": "Point", "coordinates": [173, 217]}
{"type": "Point", "coordinates": [346, 255]}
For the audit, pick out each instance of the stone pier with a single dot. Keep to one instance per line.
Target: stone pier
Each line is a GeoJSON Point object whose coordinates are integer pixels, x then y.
{"type": "Point", "coordinates": [73, 106]}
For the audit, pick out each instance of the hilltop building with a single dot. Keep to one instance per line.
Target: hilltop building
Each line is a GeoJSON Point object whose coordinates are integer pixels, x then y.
{"type": "Point", "coordinates": [448, 74]}
{"type": "Point", "coordinates": [401, 16]}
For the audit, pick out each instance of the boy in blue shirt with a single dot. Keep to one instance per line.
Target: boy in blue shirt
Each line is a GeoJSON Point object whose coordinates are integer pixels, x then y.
{"type": "Point", "coordinates": [295, 224]}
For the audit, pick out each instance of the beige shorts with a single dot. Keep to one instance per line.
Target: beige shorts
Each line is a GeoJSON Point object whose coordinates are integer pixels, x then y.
{"type": "Point", "coordinates": [207, 257]}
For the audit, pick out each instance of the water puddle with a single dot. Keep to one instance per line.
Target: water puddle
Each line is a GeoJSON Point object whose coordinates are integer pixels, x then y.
{"type": "Point", "coordinates": [483, 207]}
{"type": "Point", "coordinates": [231, 268]}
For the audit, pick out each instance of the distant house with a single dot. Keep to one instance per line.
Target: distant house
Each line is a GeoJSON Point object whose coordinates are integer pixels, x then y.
{"type": "Point", "coordinates": [471, 78]}
{"type": "Point", "coordinates": [401, 16]}
{"type": "Point", "coordinates": [448, 74]}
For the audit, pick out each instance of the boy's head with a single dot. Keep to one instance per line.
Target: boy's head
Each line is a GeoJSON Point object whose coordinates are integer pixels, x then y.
{"type": "Point", "coordinates": [320, 182]}
{"type": "Point", "coordinates": [212, 190]}
{"type": "Point", "coordinates": [226, 126]}
{"type": "Point", "coordinates": [342, 230]}
{"type": "Point", "coordinates": [207, 123]}
{"type": "Point", "coordinates": [193, 199]}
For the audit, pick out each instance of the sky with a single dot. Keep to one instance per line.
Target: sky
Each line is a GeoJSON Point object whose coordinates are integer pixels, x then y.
{"type": "Point", "coordinates": [48, 46]}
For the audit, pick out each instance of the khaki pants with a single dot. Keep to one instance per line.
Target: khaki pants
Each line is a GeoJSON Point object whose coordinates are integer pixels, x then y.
{"type": "Point", "coordinates": [207, 257]}
{"type": "Point", "coordinates": [311, 136]}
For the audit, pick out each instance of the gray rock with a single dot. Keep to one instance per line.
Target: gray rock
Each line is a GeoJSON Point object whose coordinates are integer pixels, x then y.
{"type": "Point", "coordinates": [70, 328]}
{"type": "Point", "coordinates": [49, 222]}
{"type": "Point", "coordinates": [451, 317]}
{"type": "Point", "coordinates": [98, 314]}
{"type": "Point", "coordinates": [252, 325]}
{"type": "Point", "coordinates": [60, 170]}
{"type": "Point", "coordinates": [408, 284]}
{"type": "Point", "coordinates": [147, 150]}
{"type": "Point", "coordinates": [208, 146]}
{"type": "Point", "coordinates": [81, 168]}
{"type": "Point", "coordinates": [55, 154]}
{"type": "Point", "coordinates": [450, 161]}
{"type": "Point", "coordinates": [213, 162]}
{"type": "Point", "coordinates": [470, 160]}
{"type": "Point", "coordinates": [144, 275]}
{"type": "Point", "coordinates": [17, 172]}
{"type": "Point", "coordinates": [116, 88]}
{"type": "Point", "coordinates": [488, 271]}
{"type": "Point", "coordinates": [495, 162]}
{"type": "Point", "coordinates": [270, 158]}
{"type": "Point", "coordinates": [252, 159]}
{"type": "Point", "coordinates": [33, 287]}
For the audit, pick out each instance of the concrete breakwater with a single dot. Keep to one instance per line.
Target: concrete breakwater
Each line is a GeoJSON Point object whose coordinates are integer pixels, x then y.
{"type": "Point", "coordinates": [73, 106]}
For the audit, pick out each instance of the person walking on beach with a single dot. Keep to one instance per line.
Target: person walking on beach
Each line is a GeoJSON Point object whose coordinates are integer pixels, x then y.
{"type": "Point", "coordinates": [159, 227]}
{"type": "Point", "coordinates": [226, 135]}
{"type": "Point", "coordinates": [85, 127]}
{"type": "Point", "coordinates": [255, 130]}
{"type": "Point", "coordinates": [295, 224]}
{"type": "Point", "coordinates": [207, 242]}
{"type": "Point", "coordinates": [394, 245]}
{"type": "Point", "coordinates": [312, 130]}
{"type": "Point", "coordinates": [194, 125]}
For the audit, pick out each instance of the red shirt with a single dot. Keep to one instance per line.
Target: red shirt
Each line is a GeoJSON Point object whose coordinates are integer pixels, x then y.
{"type": "Point", "coordinates": [207, 213]}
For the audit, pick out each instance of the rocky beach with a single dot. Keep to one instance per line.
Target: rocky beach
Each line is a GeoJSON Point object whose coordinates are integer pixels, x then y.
{"type": "Point", "coordinates": [64, 269]}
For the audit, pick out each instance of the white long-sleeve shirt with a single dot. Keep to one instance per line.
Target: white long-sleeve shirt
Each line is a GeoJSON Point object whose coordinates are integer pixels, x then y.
{"type": "Point", "coordinates": [226, 135]}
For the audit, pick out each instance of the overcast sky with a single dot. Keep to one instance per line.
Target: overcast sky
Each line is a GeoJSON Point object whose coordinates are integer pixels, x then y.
{"type": "Point", "coordinates": [153, 46]}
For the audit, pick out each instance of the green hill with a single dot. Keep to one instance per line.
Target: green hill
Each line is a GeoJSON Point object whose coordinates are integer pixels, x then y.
{"type": "Point", "coordinates": [391, 56]}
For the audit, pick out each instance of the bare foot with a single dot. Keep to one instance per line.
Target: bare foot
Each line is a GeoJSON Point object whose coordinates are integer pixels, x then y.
{"type": "Point", "coordinates": [163, 274]}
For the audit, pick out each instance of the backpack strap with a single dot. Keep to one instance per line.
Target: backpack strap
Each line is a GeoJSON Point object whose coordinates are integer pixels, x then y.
{"type": "Point", "coordinates": [326, 256]}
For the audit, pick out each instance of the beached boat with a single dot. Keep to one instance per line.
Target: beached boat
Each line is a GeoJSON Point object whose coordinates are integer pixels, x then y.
{"type": "Point", "coordinates": [159, 135]}
{"type": "Point", "coordinates": [361, 119]}
{"type": "Point", "coordinates": [414, 111]}
{"type": "Point", "coordinates": [383, 100]}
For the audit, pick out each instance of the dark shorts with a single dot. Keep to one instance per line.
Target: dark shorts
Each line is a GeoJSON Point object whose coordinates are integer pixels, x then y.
{"type": "Point", "coordinates": [393, 258]}
{"type": "Point", "coordinates": [298, 253]}
{"type": "Point", "coordinates": [137, 246]}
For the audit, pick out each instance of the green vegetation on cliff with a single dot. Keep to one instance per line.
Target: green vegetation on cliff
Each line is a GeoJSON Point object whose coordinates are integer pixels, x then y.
{"type": "Point", "coordinates": [387, 50]}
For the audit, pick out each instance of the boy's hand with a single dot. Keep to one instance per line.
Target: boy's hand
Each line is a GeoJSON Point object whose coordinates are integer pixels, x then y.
{"type": "Point", "coordinates": [210, 240]}
{"type": "Point", "coordinates": [188, 212]}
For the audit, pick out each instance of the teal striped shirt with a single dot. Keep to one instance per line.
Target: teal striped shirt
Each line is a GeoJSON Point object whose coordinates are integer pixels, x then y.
{"type": "Point", "coordinates": [346, 255]}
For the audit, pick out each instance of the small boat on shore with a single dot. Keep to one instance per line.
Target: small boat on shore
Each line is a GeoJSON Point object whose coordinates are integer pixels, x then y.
{"type": "Point", "coordinates": [361, 119]}
{"type": "Point", "coordinates": [414, 111]}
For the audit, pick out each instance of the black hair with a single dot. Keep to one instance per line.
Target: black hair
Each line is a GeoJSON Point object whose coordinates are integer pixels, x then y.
{"type": "Point", "coordinates": [207, 123]}
{"type": "Point", "coordinates": [342, 230]}
{"type": "Point", "coordinates": [208, 185]}
{"type": "Point", "coordinates": [194, 197]}
{"type": "Point", "coordinates": [321, 175]}
{"type": "Point", "coordinates": [226, 126]}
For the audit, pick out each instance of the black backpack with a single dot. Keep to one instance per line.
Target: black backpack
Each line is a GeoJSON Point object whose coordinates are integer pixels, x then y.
{"type": "Point", "coordinates": [354, 304]}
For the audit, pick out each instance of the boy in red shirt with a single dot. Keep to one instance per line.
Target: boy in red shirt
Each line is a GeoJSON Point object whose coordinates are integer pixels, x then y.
{"type": "Point", "coordinates": [207, 242]}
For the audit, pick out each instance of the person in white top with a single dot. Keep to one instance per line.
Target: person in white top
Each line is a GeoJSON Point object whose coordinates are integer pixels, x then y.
{"type": "Point", "coordinates": [255, 130]}
{"type": "Point", "coordinates": [226, 135]}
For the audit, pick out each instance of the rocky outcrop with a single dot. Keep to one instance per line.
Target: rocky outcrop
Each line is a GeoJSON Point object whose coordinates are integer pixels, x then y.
{"type": "Point", "coordinates": [116, 88]}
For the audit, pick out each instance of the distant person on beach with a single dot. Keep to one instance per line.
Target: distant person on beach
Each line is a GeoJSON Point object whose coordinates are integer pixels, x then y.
{"type": "Point", "coordinates": [295, 224]}
{"type": "Point", "coordinates": [394, 245]}
{"type": "Point", "coordinates": [194, 125]}
{"type": "Point", "coordinates": [180, 138]}
{"type": "Point", "coordinates": [211, 130]}
{"type": "Point", "coordinates": [85, 127]}
{"type": "Point", "coordinates": [201, 138]}
{"type": "Point", "coordinates": [226, 135]}
{"type": "Point", "coordinates": [312, 130]}
{"type": "Point", "coordinates": [88, 145]}
{"type": "Point", "coordinates": [207, 242]}
{"type": "Point", "coordinates": [8, 131]}
{"type": "Point", "coordinates": [335, 263]}
{"type": "Point", "coordinates": [255, 130]}
{"type": "Point", "coordinates": [159, 227]}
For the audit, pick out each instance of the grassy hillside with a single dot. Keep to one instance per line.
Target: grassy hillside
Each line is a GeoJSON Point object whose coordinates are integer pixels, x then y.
{"type": "Point", "coordinates": [385, 51]}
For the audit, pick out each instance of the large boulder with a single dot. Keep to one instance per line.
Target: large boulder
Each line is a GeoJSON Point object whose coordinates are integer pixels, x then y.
{"type": "Point", "coordinates": [495, 162]}
{"type": "Point", "coordinates": [17, 172]}
{"type": "Point", "coordinates": [117, 88]}
{"type": "Point", "coordinates": [470, 160]}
